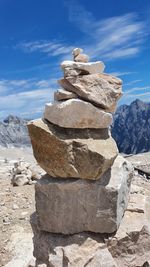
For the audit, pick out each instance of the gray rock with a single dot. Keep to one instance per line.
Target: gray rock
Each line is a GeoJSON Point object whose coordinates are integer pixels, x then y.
{"type": "Point", "coordinates": [85, 68]}
{"type": "Point", "coordinates": [130, 246]}
{"type": "Point", "coordinates": [75, 113]}
{"type": "Point", "coordinates": [62, 94]}
{"type": "Point", "coordinates": [100, 89]}
{"type": "Point", "coordinates": [77, 250]}
{"type": "Point", "coordinates": [72, 206]}
{"type": "Point", "coordinates": [62, 152]}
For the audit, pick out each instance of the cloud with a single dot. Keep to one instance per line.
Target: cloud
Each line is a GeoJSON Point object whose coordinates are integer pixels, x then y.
{"type": "Point", "coordinates": [22, 97]}
{"type": "Point", "coordinates": [132, 82]}
{"type": "Point", "coordinates": [136, 89]}
{"type": "Point", "coordinates": [110, 38]}
{"type": "Point", "coordinates": [118, 74]}
{"type": "Point", "coordinates": [51, 48]}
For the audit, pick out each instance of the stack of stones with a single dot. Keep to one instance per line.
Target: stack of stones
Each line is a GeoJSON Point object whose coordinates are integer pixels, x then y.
{"type": "Point", "coordinates": [87, 183]}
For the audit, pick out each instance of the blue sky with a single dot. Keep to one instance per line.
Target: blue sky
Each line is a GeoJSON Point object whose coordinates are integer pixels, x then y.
{"type": "Point", "coordinates": [35, 36]}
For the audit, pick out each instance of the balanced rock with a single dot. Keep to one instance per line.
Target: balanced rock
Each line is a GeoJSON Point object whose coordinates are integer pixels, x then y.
{"type": "Point", "coordinates": [84, 68]}
{"type": "Point", "coordinates": [73, 206]}
{"type": "Point", "coordinates": [62, 152]}
{"type": "Point", "coordinates": [77, 51]}
{"type": "Point", "coordinates": [81, 58]}
{"type": "Point", "coordinates": [62, 94]}
{"type": "Point", "coordinates": [100, 89]}
{"type": "Point", "coordinates": [75, 113]}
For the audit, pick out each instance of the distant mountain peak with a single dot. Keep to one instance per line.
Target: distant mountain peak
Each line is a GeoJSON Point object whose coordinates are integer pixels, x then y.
{"type": "Point", "coordinates": [131, 127]}
{"type": "Point", "coordinates": [13, 119]}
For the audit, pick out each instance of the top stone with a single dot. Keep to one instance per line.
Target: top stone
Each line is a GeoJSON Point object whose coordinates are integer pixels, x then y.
{"type": "Point", "coordinates": [78, 56]}
{"type": "Point", "coordinates": [77, 51]}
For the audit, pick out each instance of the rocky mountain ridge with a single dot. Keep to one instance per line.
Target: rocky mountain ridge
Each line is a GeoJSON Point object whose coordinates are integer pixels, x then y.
{"type": "Point", "coordinates": [130, 129]}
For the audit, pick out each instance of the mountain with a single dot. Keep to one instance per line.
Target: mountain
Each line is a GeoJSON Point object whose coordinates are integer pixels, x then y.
{"type": "Point", "coordinates": [131, 127]}
{"type": "Point", "coordinates": [13, 132]}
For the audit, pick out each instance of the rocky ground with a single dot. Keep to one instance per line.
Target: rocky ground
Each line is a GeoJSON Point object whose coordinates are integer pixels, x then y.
{"type": "Point", "coordinates": [17, 204]}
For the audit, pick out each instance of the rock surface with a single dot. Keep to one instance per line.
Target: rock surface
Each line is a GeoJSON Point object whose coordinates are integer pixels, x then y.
{"type": "Point", "coordinates": [74, 251]}
{"type": "Point", "coordinates": [100, 89]}
{"type": "Point", "coordinates": [84, 153]}
{"type": "Point", "coordinates": [130, 246]}
{"type": "Point", "coordinates": [62, 94]}
{"type": "Point", "coordinates": [81, 58]}
{"type": "Point", "coordinates": [75, 113]}
{"type": "Point", "coordinates": [73, 206]}
{"type": "Point", "coordinates": [14, 133]}
{"type": "Point", "coordinates": [85, 68]}
{"type": "Point", "coordinates": [141, 163]}
{"type": "Point", "coordinates": [131, 128]}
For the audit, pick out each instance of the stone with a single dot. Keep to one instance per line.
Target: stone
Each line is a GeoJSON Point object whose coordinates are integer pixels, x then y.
{"type": "Point", "coordinates": [81, 58]}
{"type": "Point", "coordinates": [19, 180]}
{"type": "Point", "coordinates": [130, 245]}
{"type": "Point", "coordinates": [72, 206]}
{"type": "Point", "coordinates": [62, 94]}
{"type": "Point", "coordinates": [141, 162]}
{"type": "Point", "coordinates": [100, 89]}
{"type": "Point", "coordinates": [77, 250]}
{"type": "Point", "coordinates": [84, 68]}
{"type": "Point", "coordinates": [76, 153]}
{"type": "Point", "coordinates": [75, 113]}
{"type": "Point", "coordinates": [77, 51]}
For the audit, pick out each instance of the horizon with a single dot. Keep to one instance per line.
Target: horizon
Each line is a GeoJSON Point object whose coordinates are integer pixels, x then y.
{"type": "Point", "coordinates": [35, 37]}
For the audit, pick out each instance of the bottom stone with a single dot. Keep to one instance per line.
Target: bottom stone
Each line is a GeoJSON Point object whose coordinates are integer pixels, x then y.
{"type": "Point", "coordinates": [77, 250]}
{"type": "Point", "coordinates": [75, 205]}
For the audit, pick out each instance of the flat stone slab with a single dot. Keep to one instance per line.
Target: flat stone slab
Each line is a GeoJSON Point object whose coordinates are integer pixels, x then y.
{"type": "Point", "coordinates": [63, 152]}
{"type": "Point", "coordinates": [101, 89]}
{"type": "Point", "coordinates": [62, 94]}
{"type": "Point", "coordinates": [84, 68]}
{"type": "Point", "coordinates": [73, 206]}
{"type": "Point", "coordinates": [75, 113]}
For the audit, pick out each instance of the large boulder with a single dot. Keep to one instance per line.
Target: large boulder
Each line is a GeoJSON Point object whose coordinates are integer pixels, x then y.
{"type": "Point", "coordinates": [62, 152]}
{"type": "Point", "coordinates": [72, 68]}
{"type": "Point", "coordinates": [75, 113]}
{"type": "Point", "coordinates": [100, 89]}
{"type": "Point", "coordinates": [72, 206]}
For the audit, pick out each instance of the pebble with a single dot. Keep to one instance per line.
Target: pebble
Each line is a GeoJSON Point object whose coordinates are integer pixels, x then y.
{"type": "Point", "coordinates": [15, 206]}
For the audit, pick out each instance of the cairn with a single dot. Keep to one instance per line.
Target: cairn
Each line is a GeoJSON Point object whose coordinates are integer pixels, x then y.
{"type": "Point", "coordinates": [87, 183]}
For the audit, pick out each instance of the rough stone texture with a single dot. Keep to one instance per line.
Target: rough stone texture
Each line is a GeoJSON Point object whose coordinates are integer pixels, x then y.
{"type": "Point", "coordinates": [76, 51]}
{"type": "Point", "coordinates": [75, 113]}
{"type": "Point", "coordinates": [101, 89]}
{"type": "Point", "coordinates": [87, 68]}
{"type": "Point", "coordinates": [130, 246]}
{"type": "Point", "coordinates": [141, 162]}
{"type": "Point", "coordinates": [72, 206]}
{"type": "Point", "coordinates": [77, 250]}
{"type": "Point", "coordinates": [81, 58]}
{"type": "Point", "coordinates": [62, 94]}
{"type": "Point", "coordinates": [62, 152]}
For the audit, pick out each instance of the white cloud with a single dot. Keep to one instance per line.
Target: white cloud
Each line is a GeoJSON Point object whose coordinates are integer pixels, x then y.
{"type": "Point", "coordinates": [22, 97]}
{"type": "Point", "coordinates": [118, 74]}
{"type": "Point", "coordinates": [111, 38]}
{"type": "Point", "coordinates": [132, 82]}
{"type": "Point", "coordinates": [136, 89]}
{"type": "Point", "coordinates": [51, 48]}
